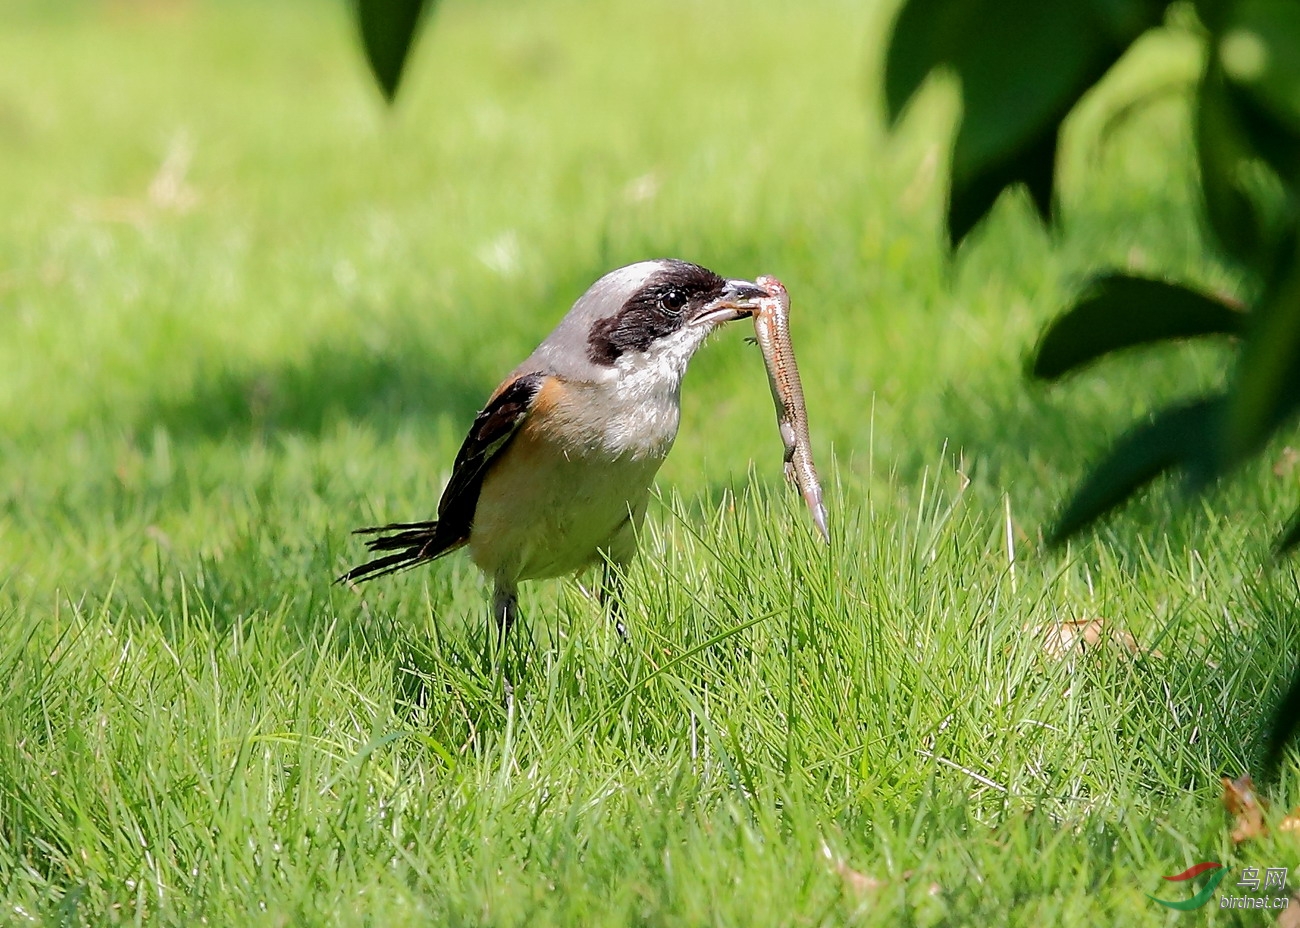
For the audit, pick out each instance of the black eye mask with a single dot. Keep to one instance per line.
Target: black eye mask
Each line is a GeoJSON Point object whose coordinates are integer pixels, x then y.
{"type": "Point", "coordinates": [656, 310]}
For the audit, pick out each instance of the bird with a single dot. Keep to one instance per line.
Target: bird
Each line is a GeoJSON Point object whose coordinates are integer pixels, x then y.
{"type": "Point", "coordinates": [555, 474]}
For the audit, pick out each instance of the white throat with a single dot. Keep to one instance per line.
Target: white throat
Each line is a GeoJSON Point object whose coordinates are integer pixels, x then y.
{"type": "Point", "coordinates": [641, 396]}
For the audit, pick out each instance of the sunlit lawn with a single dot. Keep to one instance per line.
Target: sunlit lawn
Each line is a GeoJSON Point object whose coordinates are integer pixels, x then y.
{"type": "Point", "coordinates": [245, 309]}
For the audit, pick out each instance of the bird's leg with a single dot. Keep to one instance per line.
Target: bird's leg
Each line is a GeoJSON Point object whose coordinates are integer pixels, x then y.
{"type": "Point", "coordinates": [610, 596]}
{"type": "Point", "coordinates": [505, 607]}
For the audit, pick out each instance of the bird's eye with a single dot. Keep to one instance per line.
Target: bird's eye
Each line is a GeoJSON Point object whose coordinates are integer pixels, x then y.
{"type": "Point", "coordinates": [673, 301]}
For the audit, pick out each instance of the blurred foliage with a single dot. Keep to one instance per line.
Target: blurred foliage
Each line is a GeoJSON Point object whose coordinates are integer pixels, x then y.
{"type": "Point", "coordinates": [1023, 67]}
{"type": "Point", "coordinates": [388, 29]}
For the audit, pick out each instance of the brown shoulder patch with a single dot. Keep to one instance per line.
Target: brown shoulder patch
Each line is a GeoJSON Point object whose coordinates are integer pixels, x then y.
{"type": "Point", "coordinates": [492, 430]}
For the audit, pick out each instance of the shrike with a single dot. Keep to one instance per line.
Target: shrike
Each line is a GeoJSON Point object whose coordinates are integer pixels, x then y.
{"type": "Point", "coordinates": [555, 473]}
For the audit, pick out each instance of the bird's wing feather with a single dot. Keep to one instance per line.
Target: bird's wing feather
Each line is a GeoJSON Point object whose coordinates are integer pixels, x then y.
{"type": "Point", "coordinates": [417, 542]}
{"type": "Point", "coordinates": [493, 428]}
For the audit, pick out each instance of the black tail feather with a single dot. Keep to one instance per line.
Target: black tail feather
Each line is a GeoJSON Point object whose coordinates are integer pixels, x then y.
{"type": "Point", "coordinates": [414, 542]}
{"type": "Point", "coordinates": [393, 526]}
{"type": "Point", "coordinates": [411, 538]}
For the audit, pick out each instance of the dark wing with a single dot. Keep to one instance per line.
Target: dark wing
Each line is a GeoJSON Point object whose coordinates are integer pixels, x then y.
{"type": "Point", "coordinates": [492, 429]}
{"type": "Point", "coordinates": [417, 542]}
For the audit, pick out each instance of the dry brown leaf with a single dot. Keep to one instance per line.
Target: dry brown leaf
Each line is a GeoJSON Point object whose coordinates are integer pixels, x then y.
{"type": "Point", "coordinates": [1059, 640]}
{"type": "Point", "coordinates": [1286, 462]}
{"type": "Point", "coordinates": [1062, 639]}
{"type": "Point", "coordinates": [168, 192]}
{"type": "Point", "coordinates": [1241, 800]}
{"type": "Point", "coordinates": [857, 882]}
{"type": "Point", "coordinates": [1290, 916]}
{"type": "Point", "coordinates": [1291, 822]}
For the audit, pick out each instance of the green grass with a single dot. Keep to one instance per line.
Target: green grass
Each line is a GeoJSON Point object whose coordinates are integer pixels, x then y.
{"type": "Point", "coordinates": [200, 394]}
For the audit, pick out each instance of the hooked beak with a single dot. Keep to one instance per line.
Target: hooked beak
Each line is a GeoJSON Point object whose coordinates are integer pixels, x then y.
{"type": "Point", "coordinates": [739, 299]}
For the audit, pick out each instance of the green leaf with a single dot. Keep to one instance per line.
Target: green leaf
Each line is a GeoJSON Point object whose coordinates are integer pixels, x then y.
{"type": "Point", "coordinates": [1272, 143]}
{"type": "Point", "coordinates": [1173, 86]}
{"type": "Point", "coordinates": [1222, 151]}
{"type": "Point", "coordinates": [1034, 165]}
{"type": "Point", "coordinates": [1023, 65]}
{"type": "Point", "coordinates": [925, 35]}
{"type": "Point", "coordinates": [1266, 385]}
{"type": "Point", "coordinates": [1212, 12]}
{"type": "Point", "coordinates": [1179, 436]}
{"type": "Point", "coordinates": [1118, 311]}
{"type": "Point", "coordinates": [1290, 537]}
{"type": "Point", "coordinates": [1250, 168]}
{"type": "Point", "coordinates": [1282, 728]}
{"type": "Point", "coordinates": [388, 29]}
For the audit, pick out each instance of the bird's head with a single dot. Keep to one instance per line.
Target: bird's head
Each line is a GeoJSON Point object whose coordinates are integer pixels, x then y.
{"type": "Point", "coordinates": [647, 317]}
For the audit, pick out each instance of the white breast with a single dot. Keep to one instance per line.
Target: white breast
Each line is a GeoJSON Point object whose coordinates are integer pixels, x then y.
{"type": "Point", "coordinates": [633, 412]}
{"type": "Point", "coordinates": [580, 486]}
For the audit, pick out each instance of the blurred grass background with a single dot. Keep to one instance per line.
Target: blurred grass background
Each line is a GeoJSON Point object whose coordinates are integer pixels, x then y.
{"type": "Point", "coordinates": [246, 308]}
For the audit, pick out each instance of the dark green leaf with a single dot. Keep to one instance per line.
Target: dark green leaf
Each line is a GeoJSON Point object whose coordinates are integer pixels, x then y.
{"type": "Point", "coordinates": [1212, 12]}
{"type": "Point", "coordinates": [1178, 437]}
{"type": "Point", "coordinates": [1023, 65]}
{"type": "Point", "coordinates": [1222, 152]}
{"type": "Point", "coordinates": [1250, 166]}
{"type": "Point", "coordinates": [1117, 312]}
{"type": "Point", "coordinates": [926, 34]}
{"type": "Point", "coordinates": [1128, 18]}
{"type": "Point", "coordinates": [388, 29]}
{"type": "Point", "coordinates": [1282, 729]}
{"type": "Point", "coordinates": [1034, 165]}
{"type": "Point", "coordinates": [1290, 538]}
{"type": "Point", "coordinates": [1266, 386]}
{"type": "Point", "coordinates": [1022, 69]}
{"type": "Point", "coordinates": [1272, 142]}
